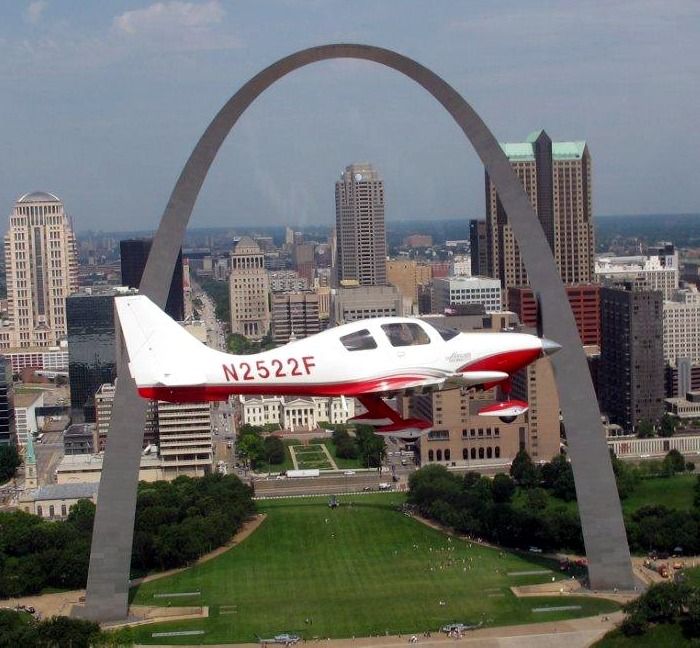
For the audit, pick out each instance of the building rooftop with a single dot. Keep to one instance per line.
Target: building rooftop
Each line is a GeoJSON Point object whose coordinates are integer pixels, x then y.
{"type": "Point", "coordinates": [27, 398]}
{"type": "Point", "coordinates": [62, 491]}
{"type": "Point", "coordinates": [38, 196]}
{"type": "Point", "coordinates": [79, 430]}
{"type": "Point", "coordinates": [524, 151]}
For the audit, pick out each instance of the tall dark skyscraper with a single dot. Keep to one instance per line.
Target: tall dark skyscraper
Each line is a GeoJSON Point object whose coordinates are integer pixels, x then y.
{"type": "Point", "coordinates": [557, 179]}
{"type": "Point", "coordinates": [134, 253]}
{"type": "Point", "coordinates": [631, 381]}
{"type": "Point", "coordinates": [478, 248]}
{"type": "Point", "coordinates": [359, 224]}
{"type": "Point", "coordinates": [91, 353]}
{"type": "Point", "coordinates": [7, 406]}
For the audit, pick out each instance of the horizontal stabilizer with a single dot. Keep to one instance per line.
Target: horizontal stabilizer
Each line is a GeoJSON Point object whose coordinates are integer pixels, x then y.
{"type": "Point", "coordinates": [506, 408]}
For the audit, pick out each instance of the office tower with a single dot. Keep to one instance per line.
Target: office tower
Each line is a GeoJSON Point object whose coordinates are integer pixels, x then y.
{"type": "Point", "coordinates": [91, 347]}
{"type": "Point", "coordinates": [366, 302]}
{"type": "Point", "coordinates": [681, 327]}
{"type": "Point", "coordinates": [631, 382]}
{"type": "Point", "coordinates": [134, 253]}
{"type": "Point", "coordinates": [584, 300]}
{"type": "Point", "coordinates": [479, 247]}
{"type": "Point", "coordinates": [557, 179]}
{"type": "Point", "coordinates": [658, 269]}
{"type": "Point", "coordinates": [7, 405]}
{"type": "Point", "coordinates": [458, 291]}
{"type": "Point", "coordinates": [184, 438]}
{"type": "Point", "coordinates": [42, 270]}
{"type": "Point", "coordinates": [408, 276]}
{"type": "Point", "coordinates": [249, 286]}
{"type": "Point", "coordinates": [304, 262]}
{"type": "Point", "coordinates": [359, 221]}
{"type": "Point", "coordinates": [294, 316]}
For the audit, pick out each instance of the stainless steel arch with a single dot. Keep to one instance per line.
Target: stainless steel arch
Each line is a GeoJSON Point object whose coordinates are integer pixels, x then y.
{"type": "Point", "coordinates": [601, 516]}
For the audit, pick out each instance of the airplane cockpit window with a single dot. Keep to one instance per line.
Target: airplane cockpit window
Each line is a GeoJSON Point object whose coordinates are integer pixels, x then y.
{"type": "Point", "coordinates": [445, 333]}
{"type": "Point", "coordinates": [405, 334]}
{"type": "Point", "coordinates": [359, 341]}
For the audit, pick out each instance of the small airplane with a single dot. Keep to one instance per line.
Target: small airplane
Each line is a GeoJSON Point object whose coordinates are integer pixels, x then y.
{"type": "Point", "coordinates": [369, 359]}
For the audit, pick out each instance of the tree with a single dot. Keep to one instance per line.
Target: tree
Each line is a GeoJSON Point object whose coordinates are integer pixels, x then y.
{"type": "Point", "coordinates": [668, 425]}
{"type": "Point", "coordinates": [274, 450]}
{"type": "Point", "coordinates": [9, 462]}
{"type": "Point", "coordinates": [645, 429]}
{"type": "Point", "coordinates": [372, 448]}
{"type": "Point", "coordinates": [252, 448]}
{"type": "Point", "coordinates": [673, 462]}
{"type": "Point", "coordinates": [523, 471]}
{"type": "Point", "coordinates": [558, 476]}
{"type": "Point", "coordinates": [502, 488]}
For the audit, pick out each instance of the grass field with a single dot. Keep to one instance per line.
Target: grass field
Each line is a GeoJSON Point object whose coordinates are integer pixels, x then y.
{"type": "Point", "coordinates": [673, 492]}
{"type": "Point", "coordinates": [361, 569]}
{"type": "Point", "coordinates": [312, 456]}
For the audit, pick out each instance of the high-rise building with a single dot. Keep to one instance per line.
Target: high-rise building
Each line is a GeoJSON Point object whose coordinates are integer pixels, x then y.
{"type": "Point", "coordinates": [304, 261]}
{"type": "Point", "coordinates": [682, 327]}
{"type": "Point", "coordinates": [457, 291]}
{"type": "Point", "coordinates": [365, 302]}
{"type": "Point", "coordinates": [294, 316]}
{"type": "Point", "coordinates": [249, 288]}
{"type": "Point", "coordinates": [479, 247]}
{"type": "Point", "coordinates": [7, 404]}
{"type": "Point", "coordinates": [91, 347]}
{"type": "Point", "coordinates": [184, 438]}
{"type": "Point", "coordinates": [134, 254]}
{"type": "Point", "coordinates": [407, 276]}
{"type": "Point", "coordinates": [584, 300]}
{"type": "Point", "coordinates": [42, 270]}
{"type": "Point", "coordinates": [557, 179]}
{"type": "Point", "coordinates": [656, 270]}
{"type": "Point", "coordinates": [631, 380]}
{"type": "Point", "coordinates": [359, 220]}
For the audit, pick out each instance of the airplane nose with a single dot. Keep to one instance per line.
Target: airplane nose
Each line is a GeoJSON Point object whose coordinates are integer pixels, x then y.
{"type": "Point", "coordinates": [549, 347]}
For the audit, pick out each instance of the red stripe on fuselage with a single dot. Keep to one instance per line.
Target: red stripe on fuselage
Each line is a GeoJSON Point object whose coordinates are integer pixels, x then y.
{"type": "Point", "coordinates": [206, 393]}
{"type": "Point", "coordinates": [508, 361]}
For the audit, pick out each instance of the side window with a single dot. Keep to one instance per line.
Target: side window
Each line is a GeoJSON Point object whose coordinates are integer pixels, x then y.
{"type": "Point", "coordinates": [405, 334]}
{"type": "Point", "coordinates": [445, 333]}
{"type": "Point", "coordinates": [359, 341]}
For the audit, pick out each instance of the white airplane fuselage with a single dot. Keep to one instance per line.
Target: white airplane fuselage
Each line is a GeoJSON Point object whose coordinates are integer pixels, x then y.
{"type": "Point", "coordinates": [376, 356]}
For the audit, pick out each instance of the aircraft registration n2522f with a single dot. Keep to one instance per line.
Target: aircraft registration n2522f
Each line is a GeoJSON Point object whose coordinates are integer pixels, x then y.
{"type": "Point", "coordinates": [368, 359]}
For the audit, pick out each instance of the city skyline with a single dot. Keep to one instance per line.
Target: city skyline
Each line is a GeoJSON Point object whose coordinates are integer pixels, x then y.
{"type": "Point", "coordinates": [124, 134]}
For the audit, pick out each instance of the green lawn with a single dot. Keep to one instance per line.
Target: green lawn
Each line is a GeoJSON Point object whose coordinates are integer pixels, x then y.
{"type": "Point", "coordinates": [358, 570]}
{"type": "Point", "coordinates": [673, 492]}
{"type": "Point", "coordinates": [312, 456]}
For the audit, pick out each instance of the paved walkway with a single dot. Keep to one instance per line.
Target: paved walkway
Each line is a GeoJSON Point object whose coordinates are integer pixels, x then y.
{"type": "Point", "coordinates": [576, 633]}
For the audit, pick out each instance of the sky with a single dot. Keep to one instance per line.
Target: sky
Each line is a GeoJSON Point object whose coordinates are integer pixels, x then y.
{"type": "Point", "coordinates": [102, 102]}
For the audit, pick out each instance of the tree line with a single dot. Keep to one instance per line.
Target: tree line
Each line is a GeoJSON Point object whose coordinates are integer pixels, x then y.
{"type": "Point", "coordinates": [176, 523]}
{"type": "Point", "coordinates": [529, 507]}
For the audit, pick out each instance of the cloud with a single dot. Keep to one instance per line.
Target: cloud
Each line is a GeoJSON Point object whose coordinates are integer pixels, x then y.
{"type": "Point", "coordinates": [173, 16]}
{"type": "Point", "coordinates": [35, 10]}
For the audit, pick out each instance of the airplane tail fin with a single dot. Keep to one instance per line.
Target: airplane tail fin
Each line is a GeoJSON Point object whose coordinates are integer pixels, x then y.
{"type": "Point", "coordinates": [161, 352]}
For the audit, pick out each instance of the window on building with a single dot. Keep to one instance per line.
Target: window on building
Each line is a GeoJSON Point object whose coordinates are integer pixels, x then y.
{"type": "Point", "coordinates": [52, 512]}
{"type": "Point", "coordinates": [465, 453]}
{"type": "Point", "coordinates": [438, 455]}
{"type": "Point", "coordinates": [39, 511]}
{"type": "Point", "coordinates": [497, 451]}
{"type": "Point", "coordinates": [489, 453]}
{"type": "Point", "coordinates": [481, 453]}
{"type": "Point", "coordinates": [359, 341]}
{"type": "Point", "coordinates": [447, 454]}
{"type": "Point", "coordinates": [431, 456]}
{"type": "Point", "coordinates": [64, 512]}
{"type": "Point", "coordinates": [473, 453]}
{"type": "Point", "coordinates": [405, 334]}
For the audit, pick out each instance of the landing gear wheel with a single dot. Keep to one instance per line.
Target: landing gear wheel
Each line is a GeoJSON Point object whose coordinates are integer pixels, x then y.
{"type": "Point", "coordinates": [507, 419]}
